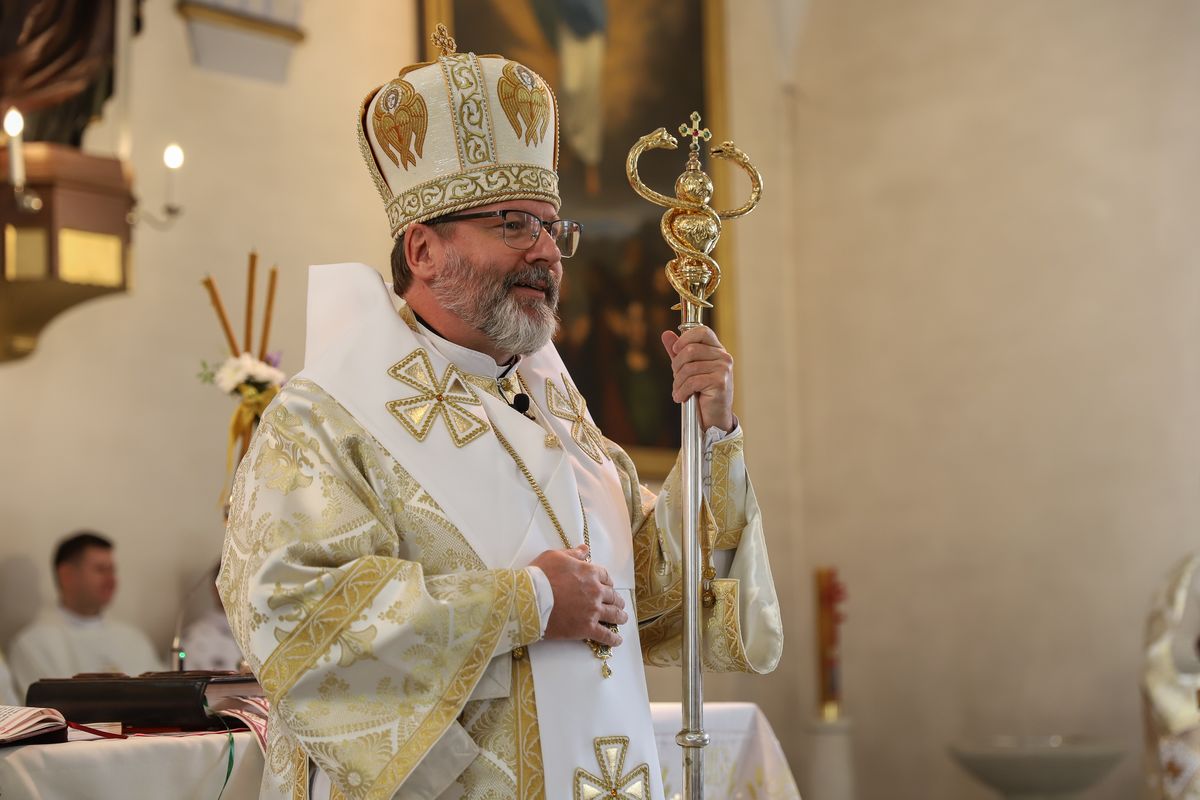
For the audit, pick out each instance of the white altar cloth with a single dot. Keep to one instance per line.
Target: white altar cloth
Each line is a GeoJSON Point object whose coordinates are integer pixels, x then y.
{"type": "Point", "coordinates": [743, 762]}
{"type": "Point", "coordinates": [176, 767]}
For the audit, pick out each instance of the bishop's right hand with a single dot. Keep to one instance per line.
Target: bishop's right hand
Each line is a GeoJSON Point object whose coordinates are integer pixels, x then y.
{"type": "Point", "coordinates": [584, 597]}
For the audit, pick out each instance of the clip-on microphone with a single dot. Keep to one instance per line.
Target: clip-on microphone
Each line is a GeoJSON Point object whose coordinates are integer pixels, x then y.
{"type": "Point", "coordinates": [520, 403]}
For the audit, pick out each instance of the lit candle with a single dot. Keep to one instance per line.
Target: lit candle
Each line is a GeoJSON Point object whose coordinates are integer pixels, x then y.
{"type": "Point", "coordinates": [173, 159]}
{"type": "Point", "coordinates": [14, 125]}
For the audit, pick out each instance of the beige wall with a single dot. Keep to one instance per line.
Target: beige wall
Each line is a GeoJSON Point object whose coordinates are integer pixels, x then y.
{"type": "Point", "coordinates": [968, 315]}
{"type": "Point", "coordinates": [106, 425]}
{"type": "Point", "coordinates": [988, 349]}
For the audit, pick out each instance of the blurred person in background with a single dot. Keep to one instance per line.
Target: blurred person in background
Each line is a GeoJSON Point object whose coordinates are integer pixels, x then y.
{"type": "Point", "coordinates": [208, 641]}
{"type": "Point", "coordinates": [75, 636]}
{"type": "Point", "coordinates": [8, 695]}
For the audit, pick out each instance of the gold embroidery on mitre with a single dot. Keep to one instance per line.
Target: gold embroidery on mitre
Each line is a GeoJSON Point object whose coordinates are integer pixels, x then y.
{"type": "Point", "coordinates": [447, 398]}
{"type": "Point", "coordinates": [573, 408]}
{"type": "Point", "coordinates": [610, 754]}
{"type": "Point", "coordinates": [466, 92]}
{"type": "Point", "coordinates": [489, 184]}
{"type": "Point", "coordinates": [400, 117]}
{"type": "Point", "coordinates": [524, 98]}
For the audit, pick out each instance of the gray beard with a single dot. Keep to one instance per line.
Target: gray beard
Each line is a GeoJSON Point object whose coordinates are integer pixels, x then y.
{"type": "Point", "coordinates": [514, 325]}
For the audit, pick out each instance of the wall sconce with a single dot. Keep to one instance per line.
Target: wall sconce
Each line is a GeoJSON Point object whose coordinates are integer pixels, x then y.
{"type": "Point", "coordinates": [14, 125]}
{"type": "Point", "coordinates": [173, 160]}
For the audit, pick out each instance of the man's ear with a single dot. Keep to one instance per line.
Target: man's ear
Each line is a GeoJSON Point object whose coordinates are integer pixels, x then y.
{"type": "Point", "coordinates": [422, 251]}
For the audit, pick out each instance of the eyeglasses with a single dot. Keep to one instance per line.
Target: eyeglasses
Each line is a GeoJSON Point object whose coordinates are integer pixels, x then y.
{"type": "Point", "coordinates": [521, 229]}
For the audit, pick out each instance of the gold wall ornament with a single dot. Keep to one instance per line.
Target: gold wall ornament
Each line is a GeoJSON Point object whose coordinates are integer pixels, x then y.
{"type": "Point", "coordinates": [446, 397]}
{"type": "Point", "coordinates": [610, 783]}
{"type": "Point", "coordinates": [401, 117]}
{"type": "Point", "coordinates": [691, 227]}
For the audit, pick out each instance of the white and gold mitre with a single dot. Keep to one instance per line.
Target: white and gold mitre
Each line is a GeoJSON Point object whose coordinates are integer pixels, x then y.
{"type": "Point", "coordinates": [459, 132]}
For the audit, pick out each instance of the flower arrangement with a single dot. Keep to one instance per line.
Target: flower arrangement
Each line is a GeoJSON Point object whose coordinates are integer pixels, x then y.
{"type": "Point", "coordinates": [237, 370]}
{"type": "Point", "coordinates": [253, 380]}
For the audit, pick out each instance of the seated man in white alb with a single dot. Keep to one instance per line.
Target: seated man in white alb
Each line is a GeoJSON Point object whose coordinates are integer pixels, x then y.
{"type": "Point", "coordinates": [8, 696]}
{"type": "Point", "coordinates": [208, 641]}
{"type": "Point", "coordinates": [75, 637]}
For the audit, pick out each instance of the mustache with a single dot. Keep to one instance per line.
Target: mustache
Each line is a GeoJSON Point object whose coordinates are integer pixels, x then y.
{"type": "Point", "coordinates": [536, 275]}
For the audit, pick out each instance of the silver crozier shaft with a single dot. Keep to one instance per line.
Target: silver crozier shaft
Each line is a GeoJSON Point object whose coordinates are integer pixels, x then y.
{"type": "Point", "coordinates": [692, 738]}
{"type": "Point", "coordinates": [691, 227]}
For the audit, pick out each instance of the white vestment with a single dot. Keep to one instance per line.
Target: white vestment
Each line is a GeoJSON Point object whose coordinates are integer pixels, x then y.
{"type": "Point", "coordinates": [8, 692]}
{"type": "Point", "coordinates": [59, 644]}
{"type": "Point", "coordinates": [209, 643]}
{"type": "Point", "coordinates": [1171, 686]}
{"type": "Point", "coordinates": [375, 569]}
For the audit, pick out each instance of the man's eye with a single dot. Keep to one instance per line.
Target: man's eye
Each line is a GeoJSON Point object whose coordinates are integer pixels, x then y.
{"type": "Point", "coordinates": [515, 225]}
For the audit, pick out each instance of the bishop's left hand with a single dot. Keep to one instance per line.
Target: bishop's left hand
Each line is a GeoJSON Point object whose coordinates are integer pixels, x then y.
{"type": "Point", "coordinates": [704, 368]}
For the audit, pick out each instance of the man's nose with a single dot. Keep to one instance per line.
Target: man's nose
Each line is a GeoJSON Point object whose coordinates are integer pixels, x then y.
{"type": "Point", "coordinates": [546, 250]}
{"type": "Point", "coordinates": [546, 239]}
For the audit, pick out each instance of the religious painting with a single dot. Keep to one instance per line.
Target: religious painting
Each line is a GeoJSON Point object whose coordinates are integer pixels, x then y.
{"type": "Point", "coordinates": [619, 70]}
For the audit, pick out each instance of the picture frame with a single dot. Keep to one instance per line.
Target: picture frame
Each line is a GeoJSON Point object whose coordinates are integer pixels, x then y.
{"type": "Point", "coordinates": [618, 71]}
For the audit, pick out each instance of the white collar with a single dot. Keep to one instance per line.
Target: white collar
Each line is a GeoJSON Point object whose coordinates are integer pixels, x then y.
{"type": "Point", "coordinates": [78, 620]}
{"type": "Point", "coordinates": [470, 361]}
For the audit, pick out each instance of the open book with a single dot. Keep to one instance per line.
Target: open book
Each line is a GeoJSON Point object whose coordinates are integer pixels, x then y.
{"type": "Point", "coordinates": [22, 725]}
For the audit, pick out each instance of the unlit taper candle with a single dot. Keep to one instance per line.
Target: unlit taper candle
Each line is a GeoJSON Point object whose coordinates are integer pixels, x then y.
{"type": "Point", "coordinates": [251, 273]}
{"type": "Point", "coordinates": [222, 317]}
{"type": "Point", "coordinates": [16, 162]}
{"type": "Point", "coordinates": [266, 333]}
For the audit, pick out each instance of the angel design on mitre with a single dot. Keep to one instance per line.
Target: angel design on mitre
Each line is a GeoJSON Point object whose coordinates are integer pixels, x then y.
{"type": "Point", "coordinates": [525, 100]}
{"type": "Point", "coordinates": [401, 117]}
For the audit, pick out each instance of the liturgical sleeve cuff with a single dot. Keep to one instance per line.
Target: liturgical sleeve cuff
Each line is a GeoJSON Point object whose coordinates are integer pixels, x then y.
{"type": "Point", "coordinates": [545, 595]}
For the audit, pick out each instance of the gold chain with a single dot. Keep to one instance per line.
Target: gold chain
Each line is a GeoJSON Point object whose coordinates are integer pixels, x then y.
{"type": "Point", "coordinates": [601, 651]}
{"type": "Point", "coordinates": [541, 496]}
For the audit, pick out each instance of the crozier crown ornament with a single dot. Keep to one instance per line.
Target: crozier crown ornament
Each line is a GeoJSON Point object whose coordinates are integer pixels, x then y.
{"type": "Point", "coordinates": [691, 227]}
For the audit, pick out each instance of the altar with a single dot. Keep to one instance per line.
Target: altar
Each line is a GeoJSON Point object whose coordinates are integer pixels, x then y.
{"type": "Point", "coordinates": [187, 767]}
{"type": "Point", "coordinates": [744, 760]}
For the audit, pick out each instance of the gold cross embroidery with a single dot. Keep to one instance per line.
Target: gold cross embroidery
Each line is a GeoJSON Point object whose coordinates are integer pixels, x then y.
{"type": "Point", "coordinates": [573, 408]}
{"type": "Point", "coordinates": [610, 754]}
{"type": "Point", "coordinates": [446, 398]}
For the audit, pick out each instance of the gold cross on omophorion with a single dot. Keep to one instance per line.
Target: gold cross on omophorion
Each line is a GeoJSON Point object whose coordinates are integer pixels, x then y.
{"type": "Point", "coordinates": [695, 131]}
{"type": "Point", "coordinates": [611, 783]}
{"type": "Point", "coordinates": [442, 40]}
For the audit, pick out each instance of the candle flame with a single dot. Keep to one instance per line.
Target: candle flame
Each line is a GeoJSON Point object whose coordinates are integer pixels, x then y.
{"type": "Point", "coordinates": [173, 156]}
{"type": "Point", "coordinates": [14, 123]}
